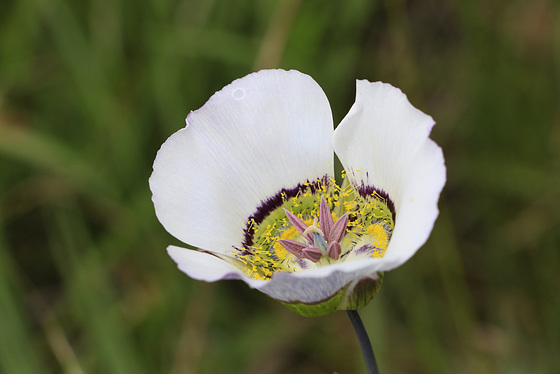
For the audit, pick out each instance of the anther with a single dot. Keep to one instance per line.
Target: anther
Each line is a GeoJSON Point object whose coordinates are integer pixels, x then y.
{"type": "Point", "coordinates": [299, 225]}
{"type": "Point", "coordinates": [295, 248]}
{"type": "Point", "coordinates": [334, 250]}
{"type": "Point", "coordinates": [313, 254]}
{"type": "Point", "coordinates": [339, 229]}
{"type": "Point", "coordinates": [325, 217]}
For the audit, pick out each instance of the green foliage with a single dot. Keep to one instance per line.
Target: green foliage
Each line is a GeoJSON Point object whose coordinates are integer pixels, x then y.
{"type": "Point", "coordinates": [90, 89]}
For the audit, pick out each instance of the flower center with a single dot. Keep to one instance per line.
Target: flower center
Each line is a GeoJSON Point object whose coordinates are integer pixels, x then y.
{"type": "Point", "coordinates": [316, 224]}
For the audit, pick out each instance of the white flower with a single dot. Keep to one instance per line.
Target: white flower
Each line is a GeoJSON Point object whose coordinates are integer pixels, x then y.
{"type": "Point", "coordinates": [250, 181]}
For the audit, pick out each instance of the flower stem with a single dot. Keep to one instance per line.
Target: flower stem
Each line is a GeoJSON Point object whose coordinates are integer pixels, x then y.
{"type": "Point", "coordinates": [367, 350]}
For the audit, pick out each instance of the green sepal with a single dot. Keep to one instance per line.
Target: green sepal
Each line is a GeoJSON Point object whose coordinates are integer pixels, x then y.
{"type": "Point", "coordinates": [319, 309]}
{"type": "Point", "coordinates": [363, 292]}
{"type": "Point", "coordinates": [360, 294]}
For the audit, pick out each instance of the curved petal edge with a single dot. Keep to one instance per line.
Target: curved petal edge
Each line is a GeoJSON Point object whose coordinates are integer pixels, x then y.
{"type": "Point", "coordinates": [384, 142]}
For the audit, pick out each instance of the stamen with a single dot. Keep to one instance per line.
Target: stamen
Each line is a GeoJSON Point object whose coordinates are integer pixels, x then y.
{"type": "Point", "coordinates": [339, 229]}
{"type": "Point", "coordinates": [334, 250]}
{"type": "Point", "coordinates": [295, 248]}
{"type": "Point", "coordinates": [299, 225]}
{"type": "Point", "coordinates": [313, 254]}
{"type": "Point", "coordinates": [325, 217]}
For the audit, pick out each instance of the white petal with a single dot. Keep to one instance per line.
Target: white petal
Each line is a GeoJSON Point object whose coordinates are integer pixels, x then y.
{"type": "Point", "coordinates": [264, 132]}
{"type": "Point", "coordinates": [207, 267]}
{"type": "Point", "coordinates": [319, 284]}
{"type": "Point", "coordinates": [384, 142]}
{"type": "Point", "coordinates": [308, 286]}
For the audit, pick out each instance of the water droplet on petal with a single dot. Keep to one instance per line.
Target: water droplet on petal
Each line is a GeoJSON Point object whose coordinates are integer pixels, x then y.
{"type": "Point", "coordinates": [238, 94]}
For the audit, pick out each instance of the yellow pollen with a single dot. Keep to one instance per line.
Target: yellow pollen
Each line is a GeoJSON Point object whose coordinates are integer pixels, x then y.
{"type": "Point", "coordinates": [380, 238]}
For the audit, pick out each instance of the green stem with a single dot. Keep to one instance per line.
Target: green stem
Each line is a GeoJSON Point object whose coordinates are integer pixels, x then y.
{"type": "Point", "coordinates": [367, 350]}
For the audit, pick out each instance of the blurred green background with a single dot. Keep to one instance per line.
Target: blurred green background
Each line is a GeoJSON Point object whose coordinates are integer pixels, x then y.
{"type": "Point", "coordinates": [90, 89]}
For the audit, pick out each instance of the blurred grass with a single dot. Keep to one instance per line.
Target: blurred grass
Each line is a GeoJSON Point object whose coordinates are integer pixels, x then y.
{"type": "Point", "coordinates": [90, 89]}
